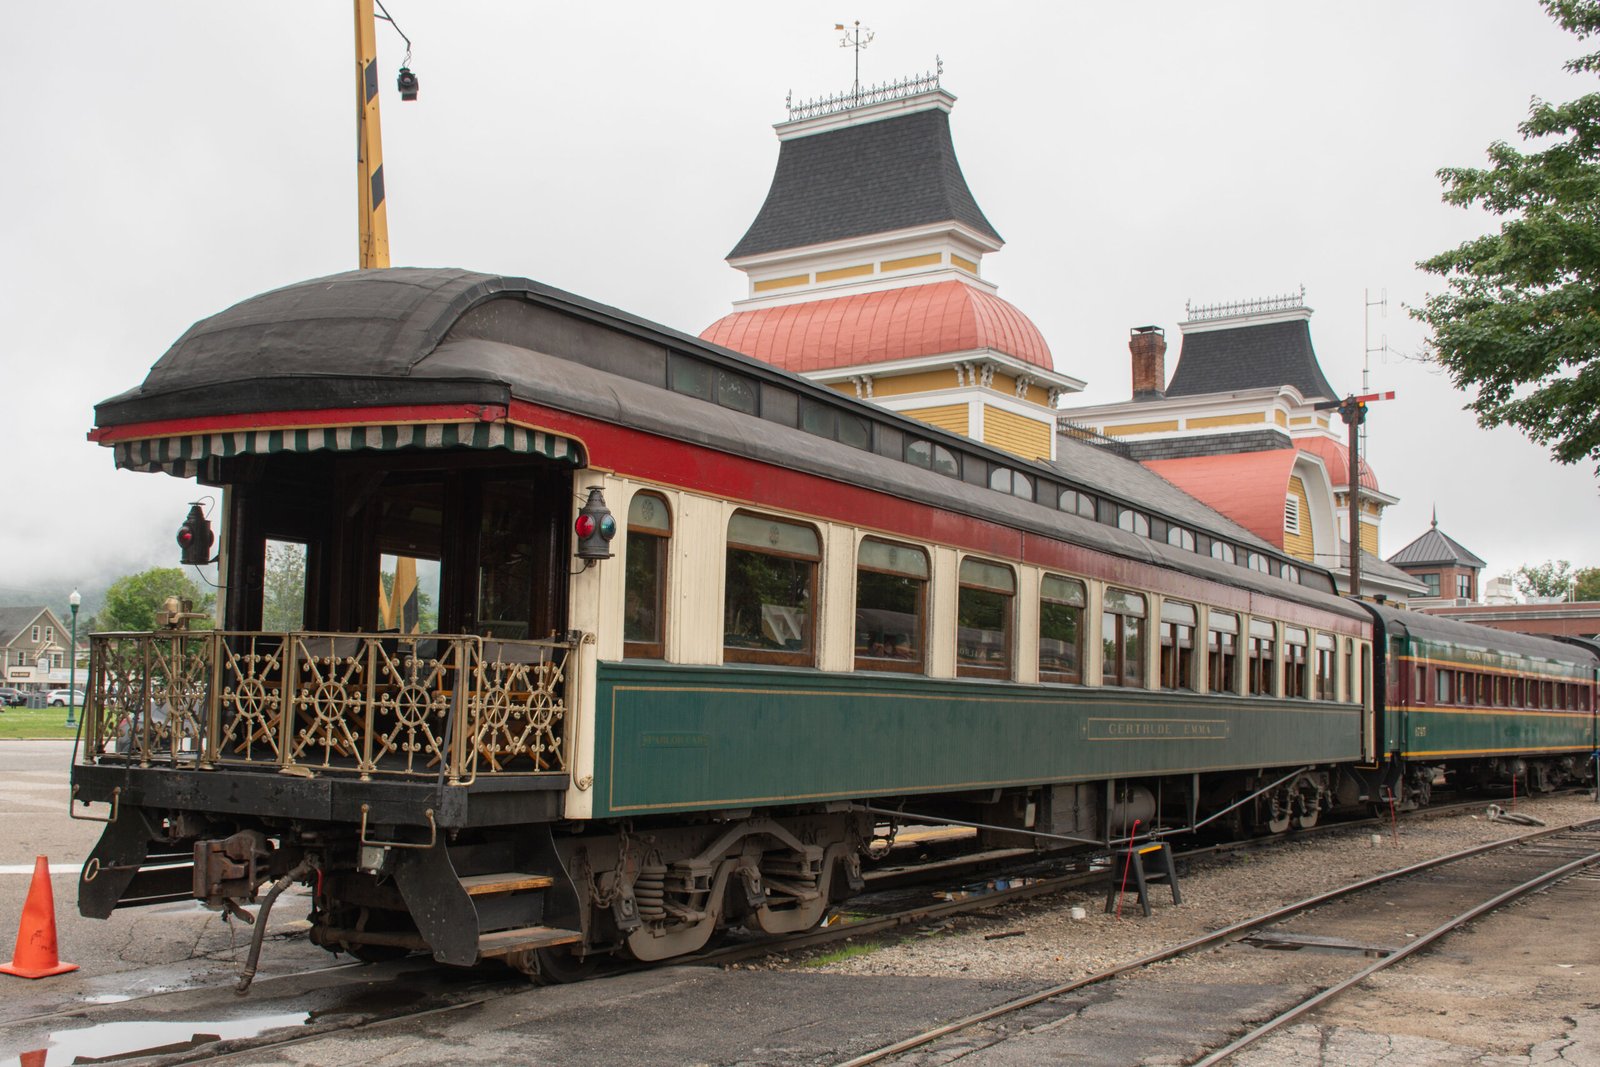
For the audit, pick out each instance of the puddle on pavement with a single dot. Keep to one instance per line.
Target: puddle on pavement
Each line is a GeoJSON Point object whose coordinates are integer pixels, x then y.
{"type": "Point", "coordinates": [110, 1042]}
{"type": "Point", "coordinates": [113, 1042]}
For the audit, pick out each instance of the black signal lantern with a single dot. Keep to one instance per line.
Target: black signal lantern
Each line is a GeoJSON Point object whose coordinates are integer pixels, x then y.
{"type": "Point", "coordinates": [595, 527]}
{"type": "Point", "coordinates": [408, 84]}
{"type": "Point", "coordinates": [195, 538]}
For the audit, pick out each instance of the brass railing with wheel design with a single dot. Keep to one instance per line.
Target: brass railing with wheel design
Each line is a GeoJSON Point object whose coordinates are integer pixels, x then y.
{"type": "Point", "coordinates": [414, 705]}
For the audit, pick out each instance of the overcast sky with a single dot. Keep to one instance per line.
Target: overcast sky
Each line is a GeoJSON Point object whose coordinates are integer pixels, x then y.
{"type": "Point", "coordinates": [164, 160]}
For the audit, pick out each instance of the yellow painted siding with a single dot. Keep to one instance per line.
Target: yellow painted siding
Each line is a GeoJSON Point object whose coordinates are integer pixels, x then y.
{"type": "Point", "coordinates": [1281, 417]}
{"type": "Point", "coordinates": [1142, 427]}
{"type": "Point", "coordinates": [1369, 538]}
{"type": "Point", "coordinates": [911, 261]}
{"type": "Point", "coordinates": [1300, 545]}
{"type": "Point", "coordinates": [1015, 433]}
{"type": "Point", "coordinates": [1206, 421]}
{"type": "Point", "coordinates": [952, 417]}
{"type": "Point", "coordinates": [844, 272]}
{"type": "Point", "coordinates": [918, 382]}
{"type": "Point", "coordinates": [963, 263]}
{"type": "Point", "coordinates": [781, 283]}
{"type": "Point", "coordinates": [1298, 420]}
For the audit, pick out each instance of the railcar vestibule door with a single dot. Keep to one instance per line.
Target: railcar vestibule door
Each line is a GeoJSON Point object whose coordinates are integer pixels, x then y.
{"type": "Point", "coordinates": [401, 544]}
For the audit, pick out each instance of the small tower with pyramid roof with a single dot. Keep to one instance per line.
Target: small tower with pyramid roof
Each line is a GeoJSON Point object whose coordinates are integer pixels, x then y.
{"type": "Point", "coordinates": [1437, 560]}
{"type": "Point", "coordinates": [865, 268]}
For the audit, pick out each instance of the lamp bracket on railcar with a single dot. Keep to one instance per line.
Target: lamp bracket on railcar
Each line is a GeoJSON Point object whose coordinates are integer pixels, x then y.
{"type": "Point", "coordinates": [595, 527]}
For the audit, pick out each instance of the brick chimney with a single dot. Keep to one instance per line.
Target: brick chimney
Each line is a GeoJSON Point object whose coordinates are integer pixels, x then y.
{"type": "Point", "coordinates": [1149, 347]}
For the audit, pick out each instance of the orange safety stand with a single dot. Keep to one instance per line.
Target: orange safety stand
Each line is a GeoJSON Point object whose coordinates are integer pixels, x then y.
{"type": "Point", "coordinates": [1132, 861]}
{"type": "Point", "coordinates": [35, 955]}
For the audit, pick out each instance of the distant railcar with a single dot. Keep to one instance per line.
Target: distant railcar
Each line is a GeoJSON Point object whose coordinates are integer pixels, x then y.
{"type": "Point", "coordinates": [434, 697]}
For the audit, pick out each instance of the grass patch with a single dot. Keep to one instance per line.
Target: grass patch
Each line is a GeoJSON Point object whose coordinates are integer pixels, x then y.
{"type": "Point", "coordinates": [843, 953]}
{"type": "Point", "coordinates": [36, 722]}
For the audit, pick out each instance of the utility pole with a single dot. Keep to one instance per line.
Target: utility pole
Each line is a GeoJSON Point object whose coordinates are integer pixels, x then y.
{"type": "Point", "coordinates": [1353, 410]}
{"type": "Point", "coordinates": [373, 219]}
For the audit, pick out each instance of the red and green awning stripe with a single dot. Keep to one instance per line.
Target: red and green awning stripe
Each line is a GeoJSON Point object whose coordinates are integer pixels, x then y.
{"type": "Point", "coordinates": [182, 454]}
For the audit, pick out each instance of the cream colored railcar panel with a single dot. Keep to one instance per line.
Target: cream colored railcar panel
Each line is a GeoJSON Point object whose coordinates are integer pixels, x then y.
{"type": "Point", "coordinates": [699, 551]}
{"type": "Point", "coordinates": [942, 613]}
{"type": "Point", "coordinates": [836, 621]}
{"type": "Point", "coordinates": [588, 597]}
{"type": "Point", "coordinates": [1027, 625]}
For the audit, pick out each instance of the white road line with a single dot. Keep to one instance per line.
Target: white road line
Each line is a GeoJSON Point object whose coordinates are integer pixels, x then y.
{"type": "Point", "coordinates": [27, 868]}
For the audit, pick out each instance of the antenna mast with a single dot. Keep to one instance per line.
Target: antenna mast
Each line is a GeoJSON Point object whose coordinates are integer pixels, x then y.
{"type": "Point", "coordinates": [1366, 344]}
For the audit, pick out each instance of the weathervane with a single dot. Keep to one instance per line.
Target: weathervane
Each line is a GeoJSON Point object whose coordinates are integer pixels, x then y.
{"type": "Point", "coordinates": [857, 39]}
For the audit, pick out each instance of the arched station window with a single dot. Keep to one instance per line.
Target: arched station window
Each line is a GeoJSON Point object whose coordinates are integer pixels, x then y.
{"type": "Point", "coordinates": [771, 592]}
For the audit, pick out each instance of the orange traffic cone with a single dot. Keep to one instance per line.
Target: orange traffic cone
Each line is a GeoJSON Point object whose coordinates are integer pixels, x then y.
{"type": "Point", "coordinates": [35, 954]}
{"type": "Point", "coordinates": [36, 1058]}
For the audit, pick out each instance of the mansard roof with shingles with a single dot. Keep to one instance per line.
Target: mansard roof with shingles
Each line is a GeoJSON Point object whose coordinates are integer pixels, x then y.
{"type": "Point", "coordinates": [883, 175]}
{"type": "Point", "coordinates": [1436, 547]}
{"type": "Point", "coordinates": [1250, 356]}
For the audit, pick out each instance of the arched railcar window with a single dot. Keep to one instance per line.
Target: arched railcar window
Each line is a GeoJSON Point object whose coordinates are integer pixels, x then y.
{"type": "Point", "coordinates": [936, 458]}
{"type": "Point", "coordinates": [1325, 652]}
{"type": "Point", "coordinates": [1223, 551]}
{"type": "Point", "coordinates": [1078, 503]}
{"type": "Point", "coordinates": [771, 593]}
{"type": "Point", "coordinates": [1263, 658]}
{"type": "Point", "coordinates": [1061, 606]}
{"type": "Point", "coordinates": [891, 607]}
{"type": "Point", "coordinates": [983, 619]}
{"type": "Point", "coordinates": [1177, 645]}
{"type": "Point", "coordinates": [1122, 634]}
{"type": "Point", "coordinates": [644, 614]}
{"type": "Point", "coordinates": [1296, 668]}
{"type": "Point", "coordinates": [1222, 651]}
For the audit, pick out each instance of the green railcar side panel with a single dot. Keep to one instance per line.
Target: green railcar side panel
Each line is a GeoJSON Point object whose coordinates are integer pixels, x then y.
{"type": "Point", "coordinates": [673, 738]}
{"type": "Point", "coordinates": [1454, 733]}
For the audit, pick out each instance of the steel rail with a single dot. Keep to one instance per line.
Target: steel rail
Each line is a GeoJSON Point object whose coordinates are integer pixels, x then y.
{"type": "Point", "coordinates": [1194, 944]}
{"type": "Point", "coordinates": [1437, 933]}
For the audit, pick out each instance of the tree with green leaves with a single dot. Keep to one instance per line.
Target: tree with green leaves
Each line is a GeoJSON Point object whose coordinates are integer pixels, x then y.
{"type": "Point", "coordinates": [283, 587]}
{"type": "Point", "coordinates": [1518, 326]}
{"type": "Point", "coordinates": [133, 600]}
{"type": "Point", "coordinates": [1552, 578]}
{"type": "Point", "coordinates": [1586, 584]}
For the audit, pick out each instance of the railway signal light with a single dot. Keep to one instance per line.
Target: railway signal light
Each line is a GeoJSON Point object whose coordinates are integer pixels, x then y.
{"type": "Point", "coordinates": [195, 538]}
{"type": "Point", "coordinates": [595, 527]}
{"type": "Point", "coordinates": [408, 84]}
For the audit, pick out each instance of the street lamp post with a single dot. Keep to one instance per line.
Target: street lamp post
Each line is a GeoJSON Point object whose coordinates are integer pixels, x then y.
{"type": "Point", "coordinates": [72, 661]}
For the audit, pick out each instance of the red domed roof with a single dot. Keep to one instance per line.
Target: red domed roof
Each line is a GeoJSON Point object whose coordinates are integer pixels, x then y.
{"type": "Point", "coordinates": [1336, 457]}
{"type": "Point", "coordinates": [882, 327]}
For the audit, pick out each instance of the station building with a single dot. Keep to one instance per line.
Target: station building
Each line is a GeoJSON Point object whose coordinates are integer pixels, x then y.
{"type": "Point", "coordinates": [864, 271]}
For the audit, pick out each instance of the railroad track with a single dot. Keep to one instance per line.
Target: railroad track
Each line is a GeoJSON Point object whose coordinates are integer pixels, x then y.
{"type": "Point", "coordinates": [1342, 928]}
{"type": "Point", "coordinates": [316, 1003]}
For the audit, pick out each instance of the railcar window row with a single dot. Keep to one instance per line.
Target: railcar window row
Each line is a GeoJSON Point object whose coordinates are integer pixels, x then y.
{"type": "Point", "coordinates": [773, 574]}
{"type": "Point", "coordinates": [1467, 689]}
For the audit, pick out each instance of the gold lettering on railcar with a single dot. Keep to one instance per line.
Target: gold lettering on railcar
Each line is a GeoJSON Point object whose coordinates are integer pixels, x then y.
{"type": "Point", "coordinates": [1157, 729]}
{"type": "Point", "coordinates": [674, 741]}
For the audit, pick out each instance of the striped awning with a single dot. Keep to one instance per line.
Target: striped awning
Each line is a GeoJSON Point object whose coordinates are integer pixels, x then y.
{"type": "Point", "coordinates": [182, 455]}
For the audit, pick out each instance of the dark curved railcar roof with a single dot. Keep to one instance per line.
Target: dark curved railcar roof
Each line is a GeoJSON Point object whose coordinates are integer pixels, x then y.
{"type": "Point", "coordinates": [420, 336]}
{"type": "Point", "coordinates": [1467, 635]}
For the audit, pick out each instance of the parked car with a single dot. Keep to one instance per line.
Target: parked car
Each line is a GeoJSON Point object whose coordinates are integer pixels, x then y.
{"type": "Point", "coordinates": [58, 697]}
{"type": "Point", "coordinates": [12, 697]}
